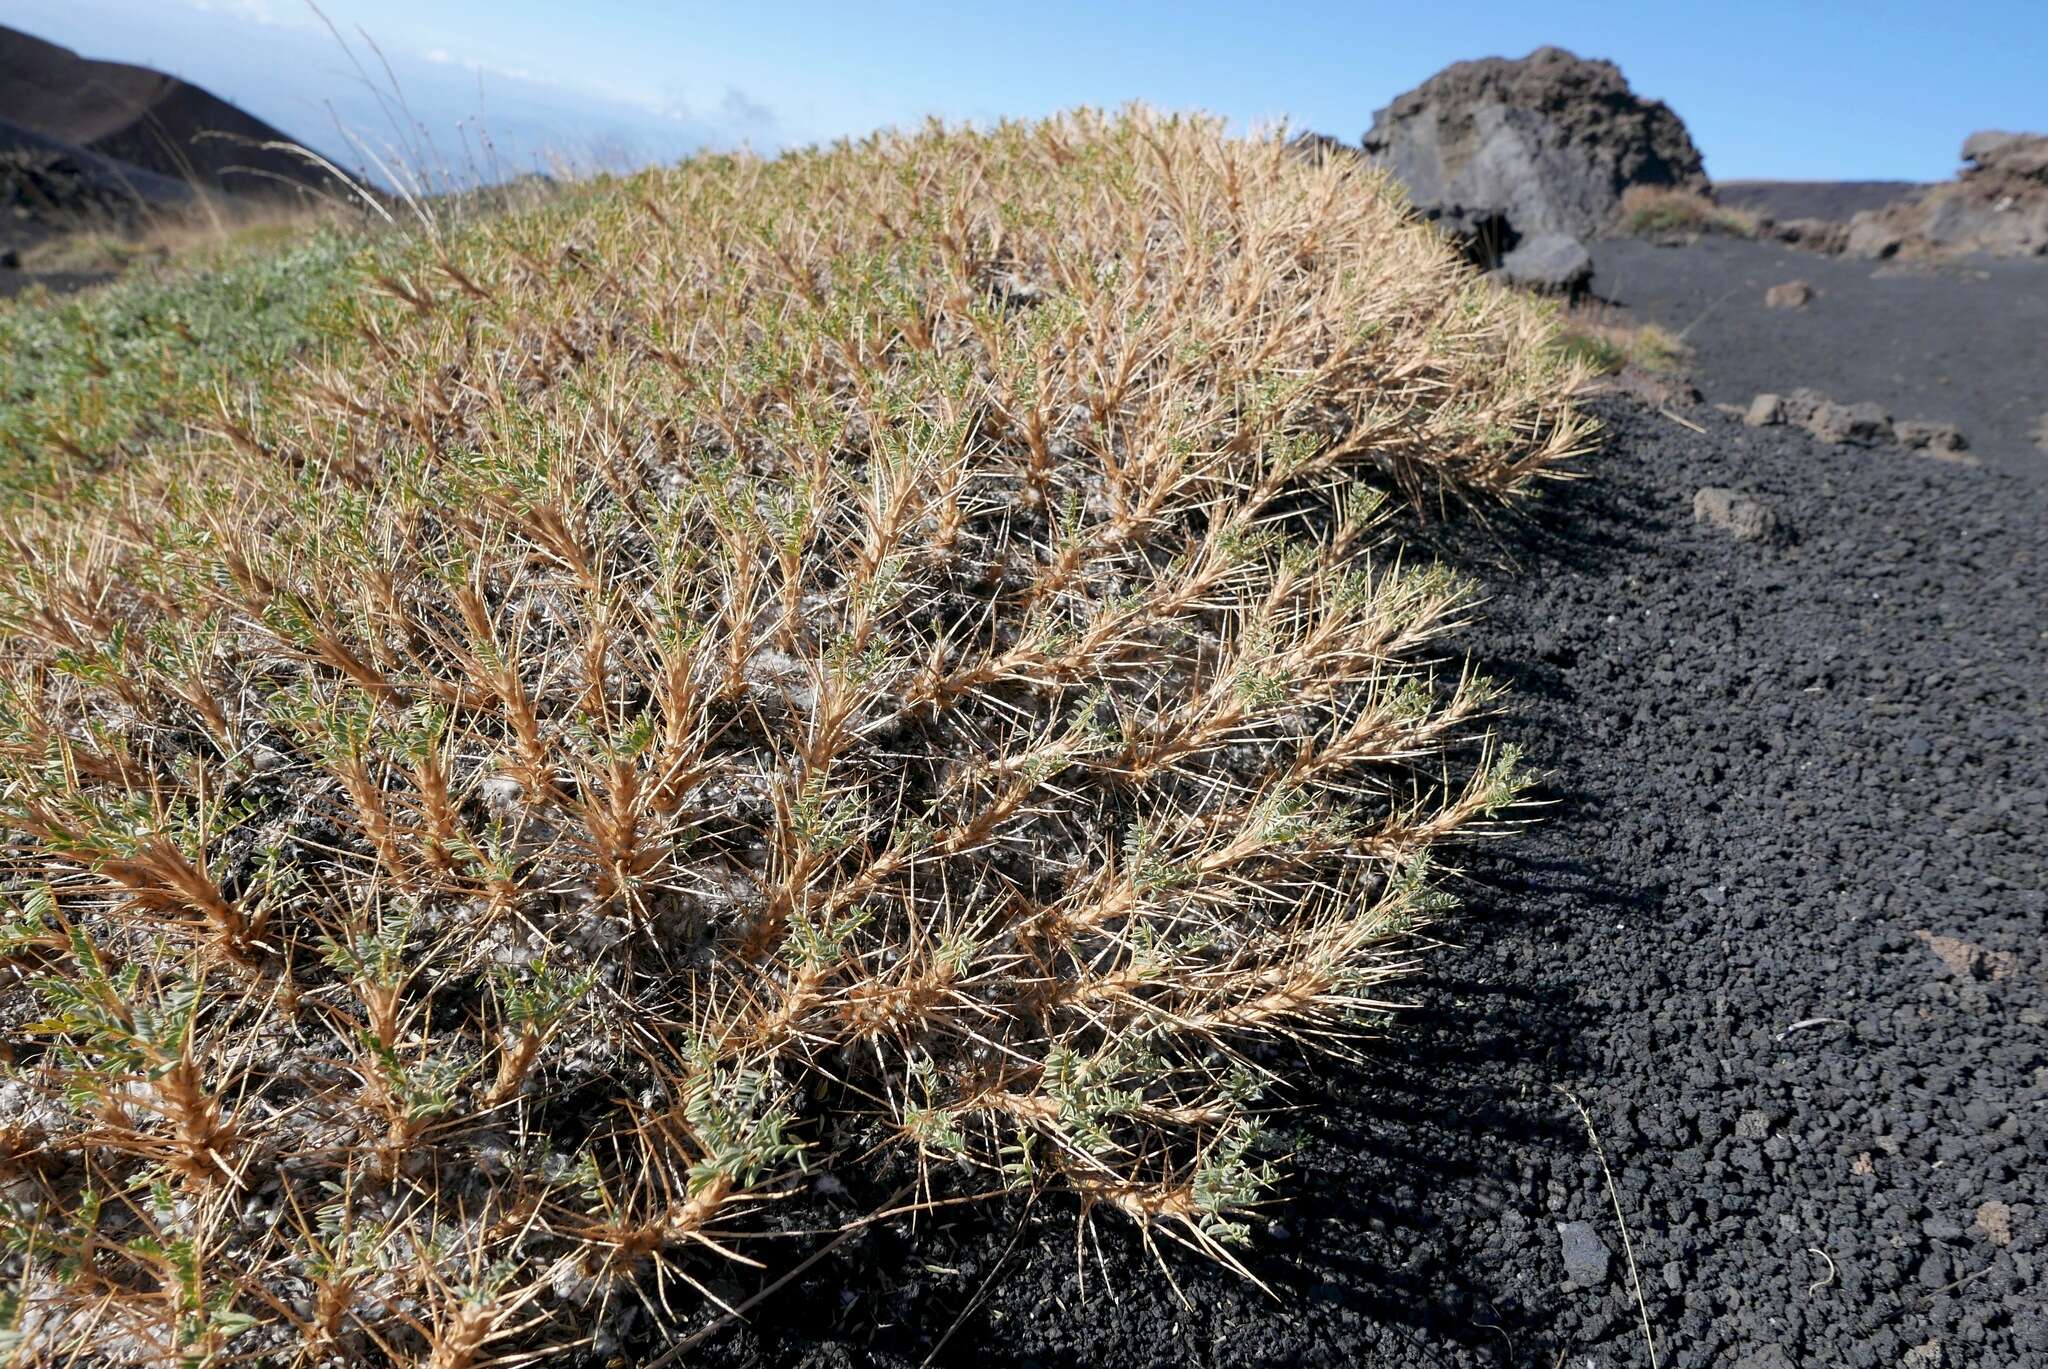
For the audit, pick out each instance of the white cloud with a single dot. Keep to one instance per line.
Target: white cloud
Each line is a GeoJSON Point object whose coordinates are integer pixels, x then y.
{"type": "Point", "coordinates": [251, 11]}
{"type": "Point", "coordinates": [441, 57]}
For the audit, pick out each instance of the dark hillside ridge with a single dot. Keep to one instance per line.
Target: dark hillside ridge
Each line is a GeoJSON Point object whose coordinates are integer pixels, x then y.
{"type": "Point", "coordinates": [91, 172]}
{"type": "Point", "coordinates": [153, 122]}
{"type": "Point", "coordinates": [48, 188]}
{"type": "Point", "coordinates": [1833, 200]}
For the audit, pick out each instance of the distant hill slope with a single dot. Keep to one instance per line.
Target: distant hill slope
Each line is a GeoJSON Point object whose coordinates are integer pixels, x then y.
{"type": "Point", "coordinates": [94, 172]}
{"type": "Point", "coordinates": [1837, 200]}
{"type": "Point", "coordinates": [155, 123]}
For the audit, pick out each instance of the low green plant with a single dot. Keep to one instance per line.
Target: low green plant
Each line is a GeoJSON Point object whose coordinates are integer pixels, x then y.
{"type": "Point", "coordinates": [97, 378]}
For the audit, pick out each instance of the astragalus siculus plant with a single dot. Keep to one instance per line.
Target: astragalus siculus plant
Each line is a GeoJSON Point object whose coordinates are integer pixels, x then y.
{"type": "Point", "coordinates": [746, 672]}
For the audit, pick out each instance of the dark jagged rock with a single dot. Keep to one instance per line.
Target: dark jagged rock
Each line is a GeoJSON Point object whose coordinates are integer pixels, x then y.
{"type": "Point", "coordinates": [1552, 263]}
{"type": "Point", "coordinates": [1513, 149]}
{"type": "Point", "coordinates": [1743, 518]}
{"type": "Point", "coordinates": [1586, 1257]}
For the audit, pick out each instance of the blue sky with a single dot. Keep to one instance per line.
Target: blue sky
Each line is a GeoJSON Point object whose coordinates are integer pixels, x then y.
{"type": "Point", "coordinates": [1873, 89]}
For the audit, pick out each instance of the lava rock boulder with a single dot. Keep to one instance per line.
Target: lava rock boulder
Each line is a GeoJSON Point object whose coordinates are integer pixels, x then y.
{"type": "Point", "coordinates": [1550, 263]}
{"type": "Point", "coordinates": [1496, 151]}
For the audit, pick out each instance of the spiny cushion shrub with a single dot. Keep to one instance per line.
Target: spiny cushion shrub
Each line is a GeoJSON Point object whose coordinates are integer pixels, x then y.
{"type": "Point", "coordinates": [889, 650]}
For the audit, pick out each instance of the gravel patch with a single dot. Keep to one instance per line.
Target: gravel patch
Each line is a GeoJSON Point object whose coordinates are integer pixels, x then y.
{"type": "Point", "coordinates": [1780, 932]}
